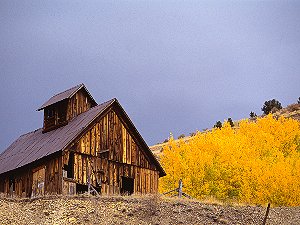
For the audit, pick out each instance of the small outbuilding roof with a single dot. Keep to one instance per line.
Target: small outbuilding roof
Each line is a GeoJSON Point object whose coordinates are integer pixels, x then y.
{"type": "Point", "coordinates": [65, 95]}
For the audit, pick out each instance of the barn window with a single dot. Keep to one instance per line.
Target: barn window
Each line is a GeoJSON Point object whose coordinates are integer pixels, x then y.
{"type": "Point", "coordinates": [50, 113]}
{"type": "Point", "coordinates": [104, 153]}
{"type": "Point", "coordinates": [61, 115]}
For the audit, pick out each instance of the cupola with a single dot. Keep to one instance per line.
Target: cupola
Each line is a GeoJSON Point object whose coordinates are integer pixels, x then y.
{"type": "Point", "coordinates": [63, 107]}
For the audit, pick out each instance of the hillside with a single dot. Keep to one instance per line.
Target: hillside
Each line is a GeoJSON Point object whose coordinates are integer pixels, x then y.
{"type": "Point", "coordinates": [135, 210]}
{"type": "Point", "coordinates": [291, 111]}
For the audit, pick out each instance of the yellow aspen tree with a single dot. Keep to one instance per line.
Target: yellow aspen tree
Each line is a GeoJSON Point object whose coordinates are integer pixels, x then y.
{"type": "Point", "coordinates": [255, 162]}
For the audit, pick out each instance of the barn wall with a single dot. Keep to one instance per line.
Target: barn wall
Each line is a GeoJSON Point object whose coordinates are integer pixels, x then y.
{"type": "Point", "coordinates": [17, 184]}
{"type": "Point", "coordinates": [109, 152]}
{"type": "Point", "coordinates": [38, 178]}
{"type": "Point", "coordinates": [78, 104]}
{"type": "Point", "coordinates": [53, 176]}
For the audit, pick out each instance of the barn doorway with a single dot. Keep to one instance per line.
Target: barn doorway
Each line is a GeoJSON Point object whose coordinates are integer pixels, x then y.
{"type": "Point", "coordinates": [70, 168]}
{"type": "Point", "coordinates": [81, 188]}
{"type": "Point", "coordinates": [127, 187]}
{"type": "Point", "coordinates": [38, 182]}
{"type": "Point", "coordinates": [12, 185]}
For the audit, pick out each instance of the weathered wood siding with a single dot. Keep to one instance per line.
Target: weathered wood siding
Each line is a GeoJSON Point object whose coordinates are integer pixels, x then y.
{"type": "Point", "coordinates": [25, 182]}
{"type": "Point", "coordinates": [58, 114]}
{"type": "Point", "coordinates": [78, 104]}
{"type": "Point", "coordinates": [111, 152]}
{"type": "Point", "coordinates": [53, 176]}
{"type": "Point", "coordinates": [58, 117]}
{"type": "Point", "coordinates": [19, 184]}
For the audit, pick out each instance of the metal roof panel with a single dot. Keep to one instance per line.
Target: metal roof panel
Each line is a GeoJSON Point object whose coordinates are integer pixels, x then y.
{"type": "Point", "coordinates": [36, 145]}
{"type": "Point", "coordinates": [65, 95]}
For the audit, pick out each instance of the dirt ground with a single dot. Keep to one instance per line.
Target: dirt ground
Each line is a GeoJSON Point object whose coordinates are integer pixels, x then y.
{"type": "Point", "coordinates": [136, 210]}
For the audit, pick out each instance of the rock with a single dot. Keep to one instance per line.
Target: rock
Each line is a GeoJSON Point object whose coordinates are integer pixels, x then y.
{"type": "Point", "coordinates": [223, 221]}
{"type": "Point", "coordinates": [189, 209]}
{"type": "Point", "coordinates": [46, 213]}
{"type": "Point", "coordinates": [72, 220]}
{"type": "Point", "coordinates": [91, 211]}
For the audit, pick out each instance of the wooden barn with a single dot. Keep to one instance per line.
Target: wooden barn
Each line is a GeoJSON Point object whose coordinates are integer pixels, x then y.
{"type": "Point", "coordinates": [82, 145]}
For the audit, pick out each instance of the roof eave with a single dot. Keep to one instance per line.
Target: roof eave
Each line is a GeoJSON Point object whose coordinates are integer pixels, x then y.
{"type": "Point", "coordinates": [43, 107]}
{"type": "Point", "coordinates": [68, 97]}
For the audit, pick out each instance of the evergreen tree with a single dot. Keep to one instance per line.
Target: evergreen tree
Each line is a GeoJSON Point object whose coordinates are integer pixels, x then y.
{"type": "Point", "coordinates": [218, 124]}
{"type": "Point", "coordinates": [253, 115]}
{"type": "Point", "coordinates": [230, 122]}
{"type": "Point", "coordinates": [270, 106]}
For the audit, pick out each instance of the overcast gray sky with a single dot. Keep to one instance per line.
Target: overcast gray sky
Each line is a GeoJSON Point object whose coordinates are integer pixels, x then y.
{"type": "Point", "coordinates": [175, 66]}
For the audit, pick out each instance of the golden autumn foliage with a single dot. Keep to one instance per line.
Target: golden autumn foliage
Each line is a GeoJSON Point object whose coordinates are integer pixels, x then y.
{"type": "Point", "coordinates": [256, 163]}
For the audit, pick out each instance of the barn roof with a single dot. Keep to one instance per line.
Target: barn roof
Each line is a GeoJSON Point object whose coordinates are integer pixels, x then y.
{"type": "Point", "coordinates": [65, 95]}
{"type": "Point", "coordinates": [36, 145]}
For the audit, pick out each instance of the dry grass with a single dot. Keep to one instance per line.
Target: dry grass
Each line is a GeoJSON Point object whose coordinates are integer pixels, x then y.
{"type": "Point", "coordinates": [149, 209]}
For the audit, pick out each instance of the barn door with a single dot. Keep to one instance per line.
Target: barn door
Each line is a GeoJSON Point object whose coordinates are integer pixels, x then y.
{"type": "Point", "coordinates": [38, 182]}
{"type": "Point", "coordinates": [127, 186]}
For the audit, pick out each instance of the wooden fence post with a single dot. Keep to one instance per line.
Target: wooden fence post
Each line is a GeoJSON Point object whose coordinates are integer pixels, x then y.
{"type": "Point", "coordinates": [267, 213]}
{"type": "Point", "coordinates": [180, 189]}
{"type": "Point", "coordinates": [89, 179]}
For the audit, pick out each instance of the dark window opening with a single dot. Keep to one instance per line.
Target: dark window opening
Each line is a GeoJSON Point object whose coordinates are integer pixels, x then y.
{"type": "Point", "coordinates": [55, 115]}
{"type": "Point", "coordinates": [81, 188]}
{"type": "Point", "coordinates": [70, 168]}
{"type": "Point", "coordinates": [61, 116]}
{"type": "Point", "coordinates": [103, 153]}
{"type": "Point", "coordinates": [127, 186]}
{"type": "Point", "coordinates": [50, 113]}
